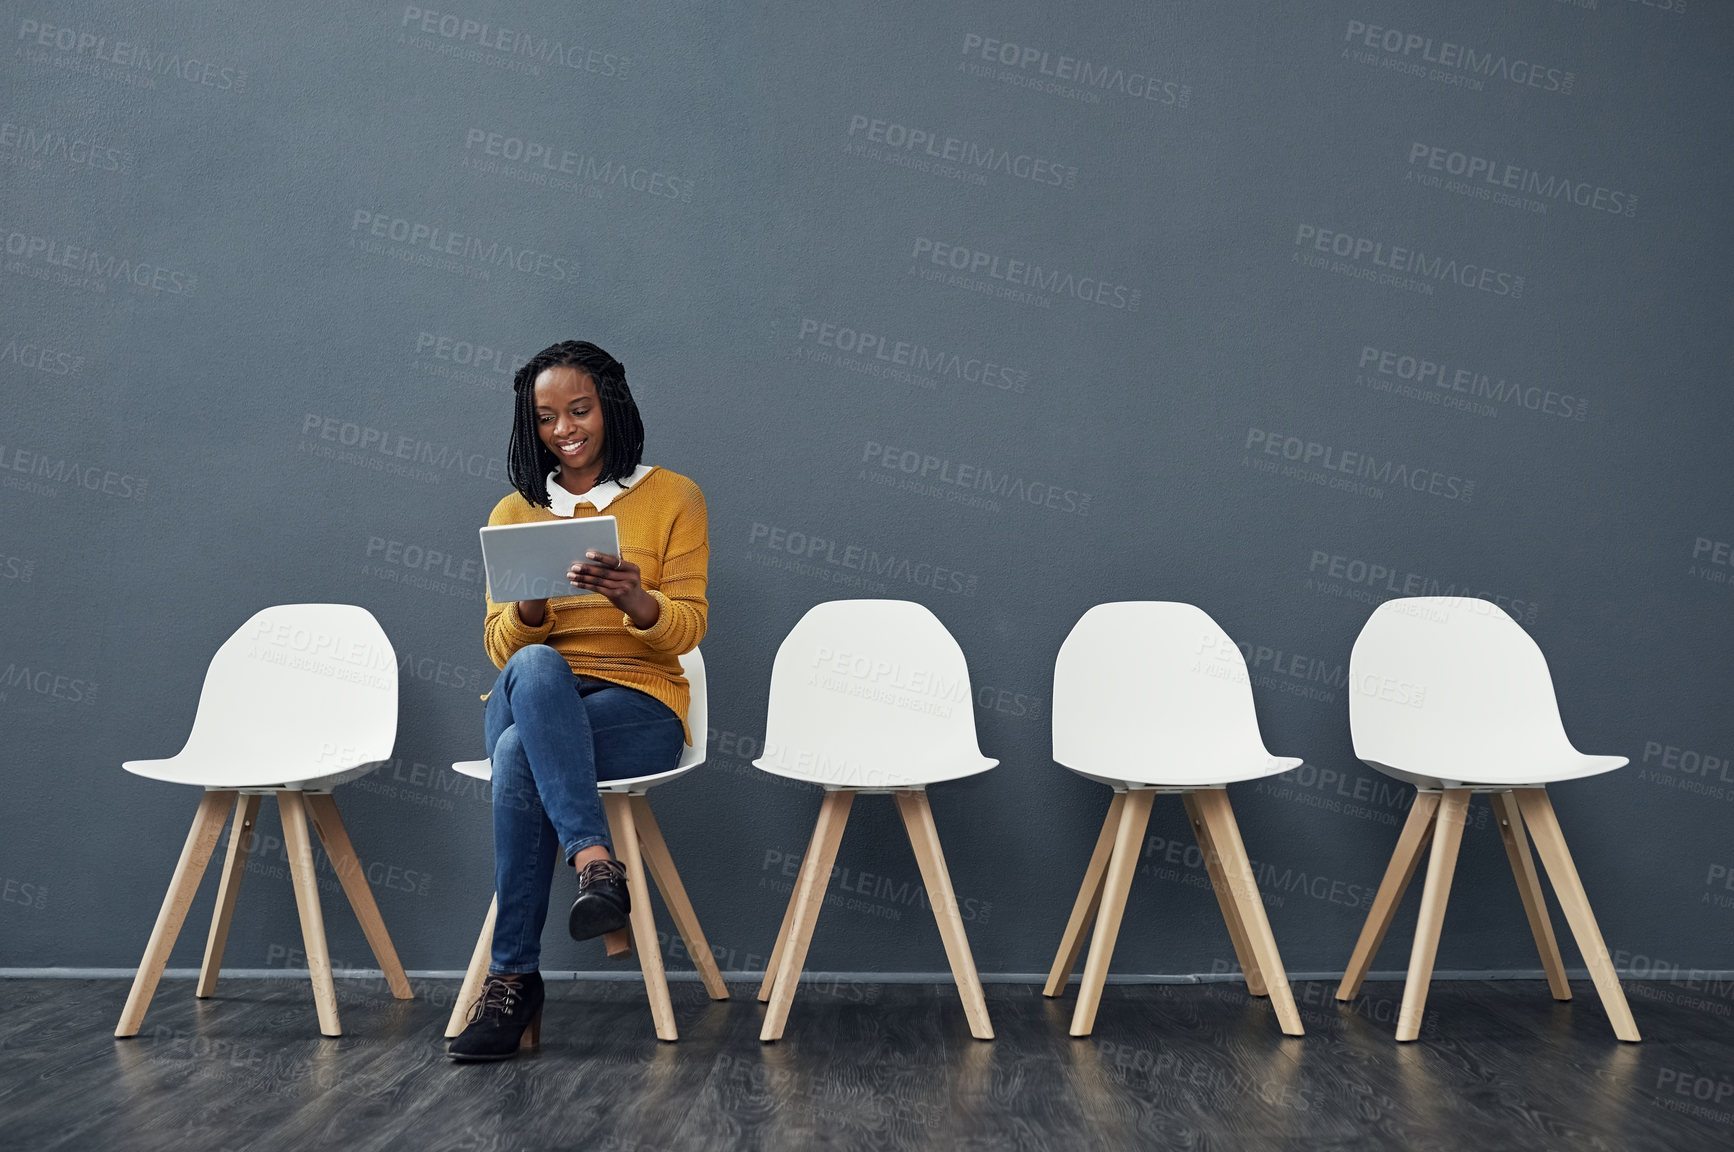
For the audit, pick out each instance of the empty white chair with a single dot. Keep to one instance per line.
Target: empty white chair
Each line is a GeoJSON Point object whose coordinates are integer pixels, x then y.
{"type": "Point", "coordinates": [302, 698]}
{"type": "Point", "coordinates": [639, 842]}
{"type": "Point", "coordinates": [1149, 697]}
{"type": "Point", "coordinates": [1451, 695]}
{"type": "Point", "coordinates": [870, 696]}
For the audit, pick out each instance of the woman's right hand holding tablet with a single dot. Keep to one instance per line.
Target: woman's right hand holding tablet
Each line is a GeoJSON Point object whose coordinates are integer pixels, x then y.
{"type": "Point", "coordinates": [533, 612]}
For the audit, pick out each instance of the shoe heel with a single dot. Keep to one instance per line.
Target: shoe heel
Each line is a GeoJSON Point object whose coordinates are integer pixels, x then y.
{"type": "Point", "coordinates": [532, 1037]}
{"type": "Point", "coordinates": [618, 944]}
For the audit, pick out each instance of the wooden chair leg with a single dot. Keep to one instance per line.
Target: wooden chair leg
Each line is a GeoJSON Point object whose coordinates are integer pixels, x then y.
{"type": "Point", "coordinates": [924, 838]}
{"type": "Point", "coordinates": [1417, 831]}
{"type": "Point", "coordinates": [1529, 890]}
{"type": "Point", "coordinates": [809, 897]}
{"type": "Point", "coordinates": [624, 831]}
{"type": "Point", "coordinates": [201, 841]}
{"type": "Point", "coordinates": [293, 809]}
{"type": "Point", "coordinates": [329, 825]}
{"type": "Point", "coordinates": [1088, 902]}
{"type": "Point", "coordinates": [1550, 843]}
{"type": "Point", "coordinates": [771, 965]}
{"type": "Point", "coordinates": [662, 870]}
{"type": "Point", "coordinates": [475, 974]}
{"type": "Point", "coordinates": [1242, 887]}
{"type": "Point", "coordinates": [1122, 863]}
{"type": "Point", "coordinates": [1243, 952]}
{"type": "Point", "coordinates": [1441, 866]}
{"type": "Point", "coordinates": [228, 888]}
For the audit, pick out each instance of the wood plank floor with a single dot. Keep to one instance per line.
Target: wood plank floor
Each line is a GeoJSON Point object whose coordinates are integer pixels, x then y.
{"type": "Point", "coordinates": [872, 1067]}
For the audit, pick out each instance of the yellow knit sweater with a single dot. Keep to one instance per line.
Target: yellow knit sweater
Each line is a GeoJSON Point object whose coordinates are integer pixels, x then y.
{"type": "Point", "coordinates": [662, 530]}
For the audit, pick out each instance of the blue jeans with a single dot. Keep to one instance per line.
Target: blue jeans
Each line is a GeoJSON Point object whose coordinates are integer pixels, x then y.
{"type": "Point", "coordinates": [553, 735]}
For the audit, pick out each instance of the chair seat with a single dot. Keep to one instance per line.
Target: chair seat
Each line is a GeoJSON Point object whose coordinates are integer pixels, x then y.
{"type": "Point", "coordinates": [205, 773]}
{"type": "Point", "coordinates": [484, 770]}
{"type": "Point", "coordinates": [1550, 769]}
{"type": "Point", "coordinates": [863, 778]}
{"type": "Point", "coordinates": [1212, 775]}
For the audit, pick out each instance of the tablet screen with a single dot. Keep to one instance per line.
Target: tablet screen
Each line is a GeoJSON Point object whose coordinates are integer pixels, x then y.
{"type": "Point", "coordinates": [530, 561]}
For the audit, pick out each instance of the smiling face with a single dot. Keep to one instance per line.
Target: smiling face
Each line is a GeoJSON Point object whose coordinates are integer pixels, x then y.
{"type": "Point", "coordinates": [569, 422]}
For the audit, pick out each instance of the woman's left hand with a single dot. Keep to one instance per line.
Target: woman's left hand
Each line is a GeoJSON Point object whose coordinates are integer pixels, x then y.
{"type": "Point", "coordinates": [617, 579]}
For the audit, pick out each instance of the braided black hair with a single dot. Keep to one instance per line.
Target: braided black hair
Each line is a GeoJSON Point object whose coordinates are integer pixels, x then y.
{"type": "Point", "coordinates": [528, 460]}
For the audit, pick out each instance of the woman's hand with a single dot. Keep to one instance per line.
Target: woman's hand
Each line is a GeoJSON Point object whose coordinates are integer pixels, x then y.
{"type": "Point", "coordinates": [533, 612]}
{"type": "Point", "coordinates": [618, 580]}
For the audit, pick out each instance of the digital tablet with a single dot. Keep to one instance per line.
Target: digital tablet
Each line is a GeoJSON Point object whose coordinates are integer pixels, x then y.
{"type": "Point", "coordinates": [530, 561]}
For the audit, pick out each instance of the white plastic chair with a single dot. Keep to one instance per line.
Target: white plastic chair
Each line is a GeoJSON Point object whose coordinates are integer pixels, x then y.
{"type": "Point", "coordinates": [1449, 694]}
{"type": "Point", "coordinates": [639, 841]}
{"type": "Point", "coordinates": [302, 698]}
{"type": "Point", "coordinates": [870, 696]}
{"type": "Point", "coordinates": [1152, 697]}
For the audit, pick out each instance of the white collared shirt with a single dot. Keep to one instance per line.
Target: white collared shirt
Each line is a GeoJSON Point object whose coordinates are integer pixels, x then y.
{"type": "Point", "coordinates": [565, 504]}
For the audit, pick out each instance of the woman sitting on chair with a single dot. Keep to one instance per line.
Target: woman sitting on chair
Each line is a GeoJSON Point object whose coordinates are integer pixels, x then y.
{"type": "Point", "coordinates": [590, 686]}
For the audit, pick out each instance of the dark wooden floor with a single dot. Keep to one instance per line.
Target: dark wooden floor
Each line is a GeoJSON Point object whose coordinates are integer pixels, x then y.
{"type": "Point", "coordinates": [1499, 1067]}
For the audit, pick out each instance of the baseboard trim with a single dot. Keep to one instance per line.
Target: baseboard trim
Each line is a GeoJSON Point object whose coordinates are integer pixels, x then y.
{"type": "Point", "coordinates": [631, 972]}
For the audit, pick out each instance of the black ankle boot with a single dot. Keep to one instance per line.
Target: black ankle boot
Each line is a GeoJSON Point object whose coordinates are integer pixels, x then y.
{"type": "Point", "coordinates": [603, 902]}
{"type": "Point", "coordinates": [508, 1016]}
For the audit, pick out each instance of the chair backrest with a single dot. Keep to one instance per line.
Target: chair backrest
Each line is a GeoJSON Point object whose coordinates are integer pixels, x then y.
{"type": "Point", "coordinates": [871, 694]}
{"type": "Point", "coordinates": [299, 691]}
{"type": "Point", "coordinates": [697, 710]}
{"type": "Point", "coordinates": [1453, 688]}
{"type": "Point", "coordinates": [1154, 692]}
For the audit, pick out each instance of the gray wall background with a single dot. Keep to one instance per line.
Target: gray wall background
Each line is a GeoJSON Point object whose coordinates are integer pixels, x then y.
{"type": "Point", "coordinates": [201, 325]}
